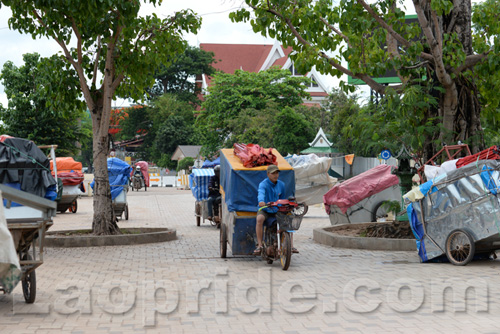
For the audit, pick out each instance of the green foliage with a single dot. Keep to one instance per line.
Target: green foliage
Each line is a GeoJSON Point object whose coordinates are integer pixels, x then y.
{"type": "Point", "coordinates": [38, 110]}
{"type": "Point", "coordinates": [291, 132]}
{"type": "Point", "coordinates": [165, 124]}
{"type": "Point", "coordinates": [178, 77]}
{"type": "Point", "coordinates": [185, 163]}
{"type": "Point", "coordinates": [230, 94]}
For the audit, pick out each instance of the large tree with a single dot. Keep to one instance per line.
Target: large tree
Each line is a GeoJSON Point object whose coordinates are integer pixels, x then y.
{"type": "Point", "coordinates": [179, 76]}
{"type": "Point", "coordinates": [438, 52]}
{"type": "Point", "coordinates": [29, 114]}
{"type": "Point", "coordinates": [230, 94]}
{"type": "Point", "coordinates": [115, 51]}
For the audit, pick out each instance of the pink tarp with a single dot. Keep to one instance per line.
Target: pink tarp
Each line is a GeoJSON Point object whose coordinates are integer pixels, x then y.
{"type": "Point", "coordinates": [347, 193]}
{"type": "Point", "coordinates": [144, 170]}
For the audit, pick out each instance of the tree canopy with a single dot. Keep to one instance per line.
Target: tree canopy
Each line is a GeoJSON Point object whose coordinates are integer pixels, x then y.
{"type": "Point", "coordinates": [178, 77]}
{"type": "Point", "coordinates": [439, 52]}
{"type": "Point", "coordinates": [230, 94]}
{"type": "Point", "coordinates": [34, 112]}
{"type": "Point", "coordinates": [115, 52]}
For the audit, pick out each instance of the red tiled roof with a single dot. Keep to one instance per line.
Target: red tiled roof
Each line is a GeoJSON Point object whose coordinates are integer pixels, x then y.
{"type": "Point", "coordinates": [231, 57]}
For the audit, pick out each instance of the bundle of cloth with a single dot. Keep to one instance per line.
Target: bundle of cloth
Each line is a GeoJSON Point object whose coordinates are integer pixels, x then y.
{"type": "Point", "coordinates": [252, 155]}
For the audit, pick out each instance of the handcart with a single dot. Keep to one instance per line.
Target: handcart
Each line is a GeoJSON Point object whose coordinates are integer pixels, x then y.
{"type": "Point", "coordinates": [120, 205]}
{"type": "Point", "coordinates": [198, 183]}
{"type": "Point", "coordinates": [28, 225]}
{"type": "Point", "coordinates": [70, 174]}
{"type": "Point", "coordinates": [457, 214]}
{"type": "Point", "coordinates": [119, 175]}
{"type": "Point", "coordinates": [239, 189]}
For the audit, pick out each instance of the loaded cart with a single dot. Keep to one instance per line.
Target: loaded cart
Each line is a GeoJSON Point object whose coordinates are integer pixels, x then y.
{"type": "Point", "coordinates": [239, 189]}
{"type": "Point", "coordinates": [70, 173]}
{"type": "Point", "coordinates": [119, 174]}
{"type": "Point", "coordinates": [28, 191]}
{"type": "Point", "coordinates": [457, 214]}
{"type": "Point", "coordinates": [198, 182]}
{"type": "Point", "coordinates": [27, 225]}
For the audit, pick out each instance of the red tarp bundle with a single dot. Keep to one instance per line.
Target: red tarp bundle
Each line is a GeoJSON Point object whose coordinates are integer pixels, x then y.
{"type": "Point", "coordinates": [350, 192]}
{"type": "Point", "coordinates": [252, 155]}
{"type": "Point", "coordinates": [68, 170]}
{"type": "Point", "coordinates": [488, 154]}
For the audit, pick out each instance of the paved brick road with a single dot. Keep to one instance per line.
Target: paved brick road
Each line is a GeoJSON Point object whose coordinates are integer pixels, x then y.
{"type": "Point", "coordinates": [184, 286]}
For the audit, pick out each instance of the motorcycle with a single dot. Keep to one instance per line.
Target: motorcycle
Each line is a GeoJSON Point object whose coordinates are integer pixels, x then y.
{"type": "Point", "coordinates": [277, 236]}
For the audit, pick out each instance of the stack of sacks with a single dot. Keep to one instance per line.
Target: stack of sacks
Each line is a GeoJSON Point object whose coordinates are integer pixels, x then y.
{"type": "Point", "coordinates": [311, 177]}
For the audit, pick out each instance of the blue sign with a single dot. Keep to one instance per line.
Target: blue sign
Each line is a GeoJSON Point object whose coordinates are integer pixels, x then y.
{"type": "Point", "coordinates": [385, 154]}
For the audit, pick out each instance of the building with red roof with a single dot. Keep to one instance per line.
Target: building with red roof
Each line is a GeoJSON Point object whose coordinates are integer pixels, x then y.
{"type": "Point", "coordinates": [256, 58]}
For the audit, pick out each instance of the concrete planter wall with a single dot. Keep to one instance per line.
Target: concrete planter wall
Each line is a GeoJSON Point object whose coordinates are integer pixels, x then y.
{"type": "Point", "coordinates": [143, 236]}
{"type": "Point", "coordinates": [327, 236]}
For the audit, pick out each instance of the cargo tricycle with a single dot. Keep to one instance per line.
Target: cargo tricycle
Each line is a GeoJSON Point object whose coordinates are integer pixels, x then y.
{"type": "Point", "coordinates": [198, 183]}
{"type": "Point", "coordinates": [239, 189]}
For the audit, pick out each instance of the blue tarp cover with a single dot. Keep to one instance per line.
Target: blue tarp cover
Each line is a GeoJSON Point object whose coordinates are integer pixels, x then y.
{"type": "Point", "coordinates": [198, 182]}
{"type": "Point", "coordinates": [118, 174]}
{"type": "Point", "coordinates": [211, 164]}
{"type": "Point", "coordinates": [240, 184]}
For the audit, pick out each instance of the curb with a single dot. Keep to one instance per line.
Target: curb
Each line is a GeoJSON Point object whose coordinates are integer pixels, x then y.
{"type": "Point", "coordinates": [322, 236]}
{"type": "Point", "coordinates": [147, 235]}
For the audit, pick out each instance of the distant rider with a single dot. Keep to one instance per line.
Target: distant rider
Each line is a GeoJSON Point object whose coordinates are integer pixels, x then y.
{"type": "Point", "coordinates": [214, 196]}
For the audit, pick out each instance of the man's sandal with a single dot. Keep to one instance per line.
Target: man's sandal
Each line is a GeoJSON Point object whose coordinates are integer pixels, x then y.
{"type": "Point", "coordinates": [257, 251]}
{"type": "Point", "coordinates": [295, 250]}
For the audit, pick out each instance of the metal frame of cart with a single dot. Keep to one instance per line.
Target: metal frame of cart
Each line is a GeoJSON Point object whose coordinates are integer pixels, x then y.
{"type": "Point", "coordinates": [28, 225]}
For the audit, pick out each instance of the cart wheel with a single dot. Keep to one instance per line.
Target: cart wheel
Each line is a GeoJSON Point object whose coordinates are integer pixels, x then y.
{"type": "Point", "coordinates": [379, 211]}
{"type": "Point", "coordinates": [286, 250]}
{"type": "Point", "coordinates": [74, 207]}
{"type": "Point", "coordinates": [223, 241]}
{"type": "Point", "coordinates": [126, 211]}
{"type": "Point", "coordinates": [29, 284]}
{"type": "Point", "coordinates": [145, 188]}
{"type": "Point", "coordinates": [460, 247]}
{"type": "Point", "coordinates": [269, 261]}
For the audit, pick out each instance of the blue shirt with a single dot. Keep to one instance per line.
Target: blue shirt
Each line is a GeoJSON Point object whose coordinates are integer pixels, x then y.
{"type": "Point", "coordinates": [270, 192]}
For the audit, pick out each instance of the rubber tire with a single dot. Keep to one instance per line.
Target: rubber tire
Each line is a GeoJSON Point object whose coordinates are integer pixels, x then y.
{"type": "Point", "coordinates": [223, 241]}
{"type": "Point", "coordinates": [269, 261]}
{"type": "Point", "coordinates": [374, 211]}
{"type": "Point", "coordinates": [286, 250]}
{"type": "Point", "coordinates": [126, 211]}
{"type": "Point", "coordinates": [299, 212]}
{"type": "Point", "coordinates": [29, 284]}
{"type": "Point", "coordinates": [472, 247]}
{"type": "Point", "coordinates": [74, 206]}
{"type": "Point", "coordinates": [145, 188]}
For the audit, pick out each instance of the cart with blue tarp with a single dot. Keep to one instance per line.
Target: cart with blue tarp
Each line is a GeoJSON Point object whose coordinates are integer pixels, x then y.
{"type": "Point", "coordinates": [239, 188]}
{"type": "Point", "coordinates": [119, 177]}
{"type": "Point", "coordinates": [457, 214]}
{"type": "Point", "coordinates": [198, 182]}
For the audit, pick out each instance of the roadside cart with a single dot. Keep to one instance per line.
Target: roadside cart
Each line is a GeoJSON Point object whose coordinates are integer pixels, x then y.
{"type": "Point", "coordinates": [361, 198]}
{"type": "Point", "coordinates": [198, 183]}
{"type": "Point", "coordinates": [28, 191]}
{"type": "Point", "coordinates": [28, 225]}
{"type": "Point", "coordinates": [119, 174]}
{"type": "Point", "coordinates": [239, 189]}
{"type": "Point", "coordinates": [457, 214]}
{"type": "Point", "coordinates": [70, 173]}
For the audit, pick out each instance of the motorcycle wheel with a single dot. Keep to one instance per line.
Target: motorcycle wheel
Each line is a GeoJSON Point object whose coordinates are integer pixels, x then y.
{"type": "Point", "coordinates": [286, 250]}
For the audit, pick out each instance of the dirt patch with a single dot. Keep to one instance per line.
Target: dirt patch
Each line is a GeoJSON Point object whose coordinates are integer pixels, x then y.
{"type": "Point", "coordinates": [392, 230]}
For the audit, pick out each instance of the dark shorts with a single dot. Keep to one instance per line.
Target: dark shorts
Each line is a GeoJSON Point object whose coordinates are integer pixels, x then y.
{"type": "Point", "coordinates": [266, 214]}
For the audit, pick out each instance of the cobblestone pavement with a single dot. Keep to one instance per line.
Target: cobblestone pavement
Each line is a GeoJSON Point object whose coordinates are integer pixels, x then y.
{"type": "Point", "coordinates": [183, 286]}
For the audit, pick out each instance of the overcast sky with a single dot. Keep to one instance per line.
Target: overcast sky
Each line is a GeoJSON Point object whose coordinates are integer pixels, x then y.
{"type": "Point", "coordinates": [216, 28]}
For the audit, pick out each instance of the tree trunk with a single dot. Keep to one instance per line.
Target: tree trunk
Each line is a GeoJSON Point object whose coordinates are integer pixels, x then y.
{"type": "Point", "coordinates": [104, 221]}
{"type": "Point", "coordinates": [459, 108]}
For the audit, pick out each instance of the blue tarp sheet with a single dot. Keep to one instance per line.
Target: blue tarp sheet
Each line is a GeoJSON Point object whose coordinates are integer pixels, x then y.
{"type": "Point", "coordinates": [198, 182]}
{"type": "Point", "coordinates": [211, 164]}
{"type": "Point", "coordinates": [118, 174]}
{"type": "Point", "coordinates": [240, 185]}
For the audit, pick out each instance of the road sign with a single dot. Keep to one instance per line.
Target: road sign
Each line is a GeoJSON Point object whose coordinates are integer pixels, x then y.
{"type": "Point", "coordinates": [385, 154]}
